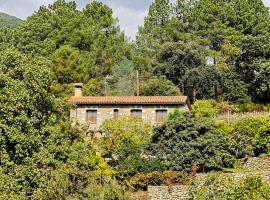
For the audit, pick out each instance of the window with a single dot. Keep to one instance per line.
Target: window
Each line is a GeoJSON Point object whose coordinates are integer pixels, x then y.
{"type": "Point", "coordinates": [161, 116]}
{"type": "Point", "coordinates": [115, 114]}
{"type": "Point", "coordinates": [137, 114]}
{"type": "Point", "coordinates": [91, 116]}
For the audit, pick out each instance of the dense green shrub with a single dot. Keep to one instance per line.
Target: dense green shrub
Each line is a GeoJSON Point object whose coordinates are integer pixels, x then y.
{"type": "Point", "coordinates": [191, 140]}
{"type": "Point", "coordinates": [221, 187]}
{"type": "Point", "coordinates": [127, 168]}
{"type": "Point", "coordinates": [176, 115]}
{"type": "Point", "coordinates": [250, 107]}
{"type": "Point", "coordinates": [142, 180]}
{"type": "Point", "coordinates": [258, 129]}
{"type": "Point", "coordinates": [205, 108]}
{"type": "Point", "coordinates": [125, 137]}
{"type": "Point", "coordinates": [210, 107]}
{"type": "Point", "coordinates": [124, 142]}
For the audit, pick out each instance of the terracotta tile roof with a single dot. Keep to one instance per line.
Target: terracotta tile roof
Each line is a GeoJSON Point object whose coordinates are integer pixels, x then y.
{"type": "Point", "coordinates": [130, 100]}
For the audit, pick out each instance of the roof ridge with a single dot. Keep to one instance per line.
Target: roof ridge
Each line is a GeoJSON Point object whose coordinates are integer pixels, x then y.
{"type": "Point", "coordinates": [128, 100]}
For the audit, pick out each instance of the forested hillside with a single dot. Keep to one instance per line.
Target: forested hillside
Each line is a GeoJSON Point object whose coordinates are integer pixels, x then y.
{"type": "Point", "coordinates": [217, 52]}
{"type": "Point", "coordinates": [204, 49]}
{"type": "Point", "coordinates": [9, 21]}
{"type": "Point", "coordinates": [210, 49]}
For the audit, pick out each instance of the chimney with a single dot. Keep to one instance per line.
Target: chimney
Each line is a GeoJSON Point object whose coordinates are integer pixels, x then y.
{"type": "Point", "coordinates": [78, 89]}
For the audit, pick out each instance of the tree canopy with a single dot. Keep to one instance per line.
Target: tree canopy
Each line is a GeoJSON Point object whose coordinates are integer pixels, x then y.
{"type": "Point", "coordinates": [210, 49]}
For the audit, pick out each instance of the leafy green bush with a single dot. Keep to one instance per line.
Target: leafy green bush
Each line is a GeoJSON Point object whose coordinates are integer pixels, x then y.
{"type": "Point", "coordinates": [124, 142]}
{"type": "Point", "coordinates": [190, 141]}
{"type": "Point", "coordinates": [175, 115]}
{"type": "Point", "coordinates": [125, 137]}
{"type": "Point", "coordinates": [222, 187]}
{"type": "Point", "coordinates": [142, 180]}
{"type": "Point", "coordinates": [205, 108]}
{"type": "Point", "coordinates": [250, 107]}
{"type": "Point", "coordinates": [127, 168]}
{"type": "Point", "coordinates": [268, 107]}
{"type": "Point", "coordinates": [258, 130]}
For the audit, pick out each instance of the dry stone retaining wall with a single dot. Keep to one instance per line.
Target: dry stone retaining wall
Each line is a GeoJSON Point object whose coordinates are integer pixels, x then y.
{"type": "Point", "coordinates": [256, 163]}
{"type": "Point", "coordinates": [260, 167]}
{"type": "Point", "coordinates": [179, 192]}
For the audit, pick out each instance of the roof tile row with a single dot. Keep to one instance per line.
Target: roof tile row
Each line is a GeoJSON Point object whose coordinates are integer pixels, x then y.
{"type": "Point", "coordinates": [128, 100]}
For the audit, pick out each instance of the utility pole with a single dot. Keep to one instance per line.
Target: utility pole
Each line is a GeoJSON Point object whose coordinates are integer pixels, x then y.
{"type": "Point", "coordinates": [138, 83]}
{"type": "Point", "coordinates": [106, 84]}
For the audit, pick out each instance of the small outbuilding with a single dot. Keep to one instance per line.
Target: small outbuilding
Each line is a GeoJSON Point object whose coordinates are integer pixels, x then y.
{"type": "Point", "coordinates": [94, 110]}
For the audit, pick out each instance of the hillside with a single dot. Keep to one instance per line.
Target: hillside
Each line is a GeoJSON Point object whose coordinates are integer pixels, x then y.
{"type": "Point", "coordinates": [9, 21]}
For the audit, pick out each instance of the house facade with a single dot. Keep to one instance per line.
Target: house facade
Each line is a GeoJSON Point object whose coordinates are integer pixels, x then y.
{"type": "Point", "coordinates": [94, 110]}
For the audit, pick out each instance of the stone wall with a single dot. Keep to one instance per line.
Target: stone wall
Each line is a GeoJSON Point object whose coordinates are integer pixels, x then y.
{"type": "Point", "coordinates": [181, 192]}
{"type": "Point", "coordinates": [106, 112]}
{"type": "Point", "coordinates": [256, 163]}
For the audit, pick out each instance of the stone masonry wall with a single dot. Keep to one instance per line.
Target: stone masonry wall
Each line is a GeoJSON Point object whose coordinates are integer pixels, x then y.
{"type": "Point", "coordinates": [106, 112]}
{"type": "Point", "coordinates": [181, 192]}
{"type": "Point", "coordinates": [256, 163]}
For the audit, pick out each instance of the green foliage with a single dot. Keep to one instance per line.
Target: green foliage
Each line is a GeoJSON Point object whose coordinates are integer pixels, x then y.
{"type": "Point", "coordinates": [211, 82]}
{"type": "Point", "coordinates": [176, 115]}
{"type": "Point", "coordinates": [82, 45]}
{"type": "Point", "coordinates": [205, 108]}
{"type": "Point", "coordinates": [252, 188]}
{"type": "Point", "coordinates": [122, 82]}
{"type": "Point", "coordinates": [215, 187]}
{"type": "Point", "coordinates": [67, 65]}
{"type": "Point", "coordinates": [175, 59]}
{"type": "Point", "coordinates": [193, 141]}
{"type": "Point", "coordinates": [142, 180]}
{"type": "Point", "coordinates": [125, 140]}
{"type": "Point", "coordinates": [159, 87]}
{"type": "Point", "coordinates": [42, 155]}
{"type": "Point", "coordinates": [221, 187]}
{"type": "Point", "coordinates": [258, 130]}
{"type": "Point", "coordinates": [93, 88]}
{"type": "Point", "coordinates": [180, 41]}
{"type": "Point", "coordinates": [250, 107]}
{"type": "Point", "coordinates": [125, 137]}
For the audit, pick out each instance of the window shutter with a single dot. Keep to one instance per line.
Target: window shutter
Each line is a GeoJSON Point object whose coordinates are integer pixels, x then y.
{"type": "Point", "coordinates": [137, 114]}
{"type": "Point", "coordinates": [115, 114]}
{"type": "Point", "coordinates": [161, 116]}
{"type": "Point", "coordinates": [91, 116]}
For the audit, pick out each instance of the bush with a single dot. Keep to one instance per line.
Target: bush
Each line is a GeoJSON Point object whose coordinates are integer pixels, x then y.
{"type": "Point", "coordinates": [258, 129]}
{"type": "Point", "coordinates": [175, 115]}
{"type": "Point", "coordinates": [124, 141]}
{"type": "Point", "coordinates": [169, 178]}
{"type": "Point", "coordinates": [250, 107]}
{"type": "Point", "coordinates": [192, 141]}
{"type": "Point", "coordinates": [221, 187]}
{"type": "Point", "coordinates": [205, 108]}
{"type": "Point", "coordinates": [125, 137]}
{"type": "Point", "coordinates": [127, 168]}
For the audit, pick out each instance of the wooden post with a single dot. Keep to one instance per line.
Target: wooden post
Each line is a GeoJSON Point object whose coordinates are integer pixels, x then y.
{"type": "Point", "coordinates": [138, 83]}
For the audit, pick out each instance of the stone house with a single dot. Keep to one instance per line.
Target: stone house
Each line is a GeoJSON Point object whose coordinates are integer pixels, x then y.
{"type": "Point", "coordinates": [94, 110]}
